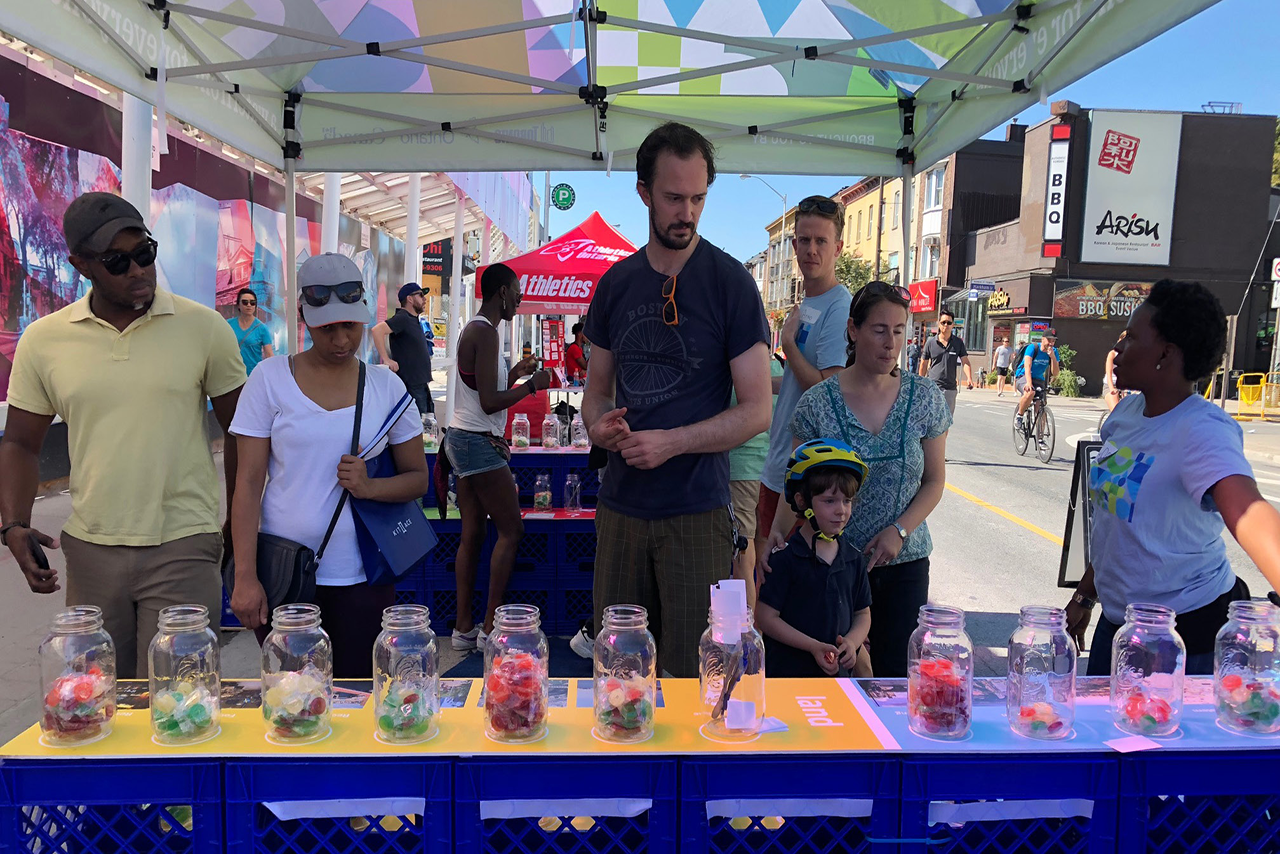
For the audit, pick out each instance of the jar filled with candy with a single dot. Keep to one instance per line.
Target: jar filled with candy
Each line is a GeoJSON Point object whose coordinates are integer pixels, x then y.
{"type": "Point", "coordinates": [515, 675]}
{"type": "Point", "coordinates": [550, 432]}
{"type": "Point", "coordinates": [940, 674]}
{"type": "Point", "coordinates": [78, 678]}
{"type": "Point", "coordinates": [1041, 692]}
{"type": "Point", "coordinates": [186, 676]}
{"type": "Point", "coordinates": [430, 434]}
{"type": "Point", "coordinates": [1246, 668]}
{"type": "Point", "coordinates": [1148, 668]}
{"type": "Point", "coordinates": [297, 676]}
{"type": "Point", "coordinates": [626, 681]}
{"type": "Point", "coordinates": [542, 492]}
{"type": "Point", "coordinates": [578, 432]}
{"type": "Point", "coordinates": [731, 666]}
{"type": "Point", "coordinates": [520, 432]}
{"type": "Point", "coordinates": [406, 676]}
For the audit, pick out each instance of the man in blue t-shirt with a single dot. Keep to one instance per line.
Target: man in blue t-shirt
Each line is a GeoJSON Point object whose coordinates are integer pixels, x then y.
{"type": "Point", "coordinates": [675, 329]}
{"type": "Point", "coordinates": [1040, 362]}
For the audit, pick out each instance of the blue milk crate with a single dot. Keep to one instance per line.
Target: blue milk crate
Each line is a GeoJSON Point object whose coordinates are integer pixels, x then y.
{"type": "Point", "coordinates": [371, 807]}
{"type": "Point", "coordinates": [588, 805]}
{"type": "Point", "coordinates": [1203, 802]}
{"type": "Point", "coordinates": [788, 805]}
{"type": "Point", "coordinates": [575, 573]}
{"type": "Point", "coordinates": [171, 806]}
{"type": "Point", "coordinates": [1027, 803]}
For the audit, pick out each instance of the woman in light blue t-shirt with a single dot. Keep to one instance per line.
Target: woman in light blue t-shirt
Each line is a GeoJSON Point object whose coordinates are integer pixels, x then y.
{"type": "Point", "coordinates": [1170, 474]}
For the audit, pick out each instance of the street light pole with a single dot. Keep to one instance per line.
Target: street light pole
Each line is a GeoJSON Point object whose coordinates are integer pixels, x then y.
{"type": "Point", "coordinates": [783, 228]}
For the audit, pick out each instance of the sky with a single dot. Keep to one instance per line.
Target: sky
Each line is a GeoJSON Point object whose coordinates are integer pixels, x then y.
{"type": "Point", "coordinates": [1230, 52]}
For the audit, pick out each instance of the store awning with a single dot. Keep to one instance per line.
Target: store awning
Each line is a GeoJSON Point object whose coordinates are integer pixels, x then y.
{"type": "Point", "coordinates": [561, 277]}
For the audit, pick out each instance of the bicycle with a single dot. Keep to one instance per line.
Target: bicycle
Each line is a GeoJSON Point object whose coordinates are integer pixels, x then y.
{"type": "Point", "coordinates": [1037, 423]}
{"type": "Point", "coordinates": [1106, 413]}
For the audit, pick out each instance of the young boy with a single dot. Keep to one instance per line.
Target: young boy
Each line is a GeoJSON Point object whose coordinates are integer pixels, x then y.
{"type": "Point", "coordinates": [815, 606]}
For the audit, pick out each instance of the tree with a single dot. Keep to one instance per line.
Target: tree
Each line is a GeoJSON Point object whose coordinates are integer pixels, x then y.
{"type": "Point", "coordinates": [1275, 159]}
{"type": "Point", "coordinates": [854, 273]}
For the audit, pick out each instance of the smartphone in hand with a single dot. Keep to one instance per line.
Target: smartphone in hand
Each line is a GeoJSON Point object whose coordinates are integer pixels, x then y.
{"type": "Point", "coordinates": [37, 551]}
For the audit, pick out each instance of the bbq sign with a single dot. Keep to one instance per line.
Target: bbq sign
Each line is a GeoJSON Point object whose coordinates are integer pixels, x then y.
{"type": "Point", "coordinates": [1129, 194]}
{"type": "Point", "coordinates": [1077, 300]}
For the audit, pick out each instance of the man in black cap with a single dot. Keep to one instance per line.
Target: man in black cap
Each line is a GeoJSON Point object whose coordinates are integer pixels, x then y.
{"type": "Point", "coordinates": [130, 369]}
{"type": "Point", "coordinates": [410, 353]}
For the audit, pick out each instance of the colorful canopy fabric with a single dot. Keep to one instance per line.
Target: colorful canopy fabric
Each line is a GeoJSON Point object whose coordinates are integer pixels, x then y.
{"type": "Point", "coordinates": [561, 277]}
{"type": "Point", "coordinates": [853, 87]}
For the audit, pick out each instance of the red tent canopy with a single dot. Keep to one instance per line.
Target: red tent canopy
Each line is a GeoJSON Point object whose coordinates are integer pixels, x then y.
{"type": "Point", "coordinates": [561, 277]}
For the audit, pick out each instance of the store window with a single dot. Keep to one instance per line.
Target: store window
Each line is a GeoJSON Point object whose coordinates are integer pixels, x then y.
{"type": "Point", "coordinates": [870, 216]}
{"type": "Point", "coordinates": [881, 207]}
{"type": "Point", "coordinates": [934, 183]}
{"type": "Point", "coordinates": [858, 230]}
{"type": "Point", "coordinates": [897, 207]}
{"type": "Point", "coordinates": [971, 320]}
{"type": "Point", "coordinates": [932, 254]}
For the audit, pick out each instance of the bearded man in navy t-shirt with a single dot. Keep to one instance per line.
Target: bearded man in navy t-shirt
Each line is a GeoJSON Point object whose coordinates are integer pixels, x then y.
{"type": "Point", "coordinates": [674, 328]}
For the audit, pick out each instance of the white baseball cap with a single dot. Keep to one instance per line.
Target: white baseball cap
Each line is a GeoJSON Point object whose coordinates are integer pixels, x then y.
{"type": "Point", "coordinates": [331, 272]}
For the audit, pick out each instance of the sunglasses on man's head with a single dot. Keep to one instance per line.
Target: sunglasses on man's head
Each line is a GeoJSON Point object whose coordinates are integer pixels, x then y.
{"type": "Point", "coordinates": [117, 263]}
{"type": "Point", "coordinates": [318, 295]}
{"type": "Point", "coordinates": [821, 205]}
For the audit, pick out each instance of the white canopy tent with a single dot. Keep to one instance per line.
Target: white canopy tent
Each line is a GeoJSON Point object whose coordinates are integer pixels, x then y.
{"type": "Point", "coordinates": [853, 87]}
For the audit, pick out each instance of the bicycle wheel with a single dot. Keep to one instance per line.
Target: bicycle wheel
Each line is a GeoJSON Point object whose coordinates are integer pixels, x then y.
{"type": "Point", "coordinates": [1020, 436]}
{"type": "Point", "coordinates": [1045, 435]}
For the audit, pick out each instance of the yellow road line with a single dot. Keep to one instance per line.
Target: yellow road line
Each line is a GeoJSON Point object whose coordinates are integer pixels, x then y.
{"type": "Point", "coordinates": [1023, 523]}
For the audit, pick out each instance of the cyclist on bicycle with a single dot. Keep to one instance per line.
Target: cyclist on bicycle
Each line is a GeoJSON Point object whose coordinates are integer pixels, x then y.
{"type": "Point", "coordinates": [1040, 364]}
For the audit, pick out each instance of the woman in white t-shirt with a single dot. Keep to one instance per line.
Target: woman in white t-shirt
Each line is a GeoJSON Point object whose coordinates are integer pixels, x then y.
{"type": "Point", "coordinates": [1171, 472]}
{"type": "Point", "coordinates": [293, 426]}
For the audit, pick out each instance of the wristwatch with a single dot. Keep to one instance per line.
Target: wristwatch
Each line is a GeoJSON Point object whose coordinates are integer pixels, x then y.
{"type": "Point", "coordinates": [902, 532]}
{"type": "Point", "coordinates": [1082, 600]}
{"type": "Point", "coordinates": [4, 531]}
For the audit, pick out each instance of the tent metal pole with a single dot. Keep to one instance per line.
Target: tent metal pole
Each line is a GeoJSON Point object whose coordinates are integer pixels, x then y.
{"type": "Point", "coordinates": [412, 254]}
{"type": "Point", "coordinates": [478, 32]}
{"type": "Point", "coordinates": [496, 137]}
{"type": "Point", "coordinates": [920, 70]}
{"type": "Point", "coordinates": [833, 143]}
{"type": "Point", "coordinates": [1079, 25]}
{"type": "Point", "coordinates": [233, 88]}
{"type": "Point", "coordinates": [265, 62]}
{"type": "Point", "coordinates": [291, 253]}
{"type": "Point", "coordinates": [415, 124]}
{"type": "Point", "coordinates": [330, 211]}
{"type": "Point", "coordinates": [905, 277]}
{"type": "Point", "coordinates": [481, 71]}
{"type": "Point", "coordinates": [546, 210]}
{"type": "Point", "coordinates": [928, 128]}
{"type": "Point", "coordinates": [110, 32]}
{"type": "Point", "coordinates": [261, 26]}
{"type": "Point", "coordinates": [135, 154]}
{"type": "Point", "coordinates": [458, 300]}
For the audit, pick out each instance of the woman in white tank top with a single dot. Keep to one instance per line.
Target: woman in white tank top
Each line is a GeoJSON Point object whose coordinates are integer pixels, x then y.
{"type": "Point", "coordinates": [478, 452]}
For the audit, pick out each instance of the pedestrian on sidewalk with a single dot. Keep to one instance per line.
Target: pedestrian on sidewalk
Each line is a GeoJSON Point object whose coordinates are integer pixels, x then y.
{"type": "Point", "coordinates": [897, 423]}
{"type": "Point", "coordinates": [131, 369]}
{"type": "Point", "coordinates": [478, 451]}
{"type": "Point", "coordinates": [942, 356]}
{"type": "Point", "coordinates": [252, 334]}
{"type": "Point", "coordinates": [674, 329]}
{"type": "Point", "coordinates": [409, 354]}
{"type": "Point", "coordinates": [1001, 360]}
{"type": "Point", "coordinates": [913, 355]}
{"type": "Point", "coordinates": [813, 341]}
{"type": "Point", "coordinates": [294, 423]}
{"type": "Point", "coordinates": [1170, 474]}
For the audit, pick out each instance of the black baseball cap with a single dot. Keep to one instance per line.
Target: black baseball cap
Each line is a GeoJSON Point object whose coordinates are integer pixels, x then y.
{"type": "Point", "coordinates": [409, 290]}
{"type": "Point", "coordinates": [93, 220]}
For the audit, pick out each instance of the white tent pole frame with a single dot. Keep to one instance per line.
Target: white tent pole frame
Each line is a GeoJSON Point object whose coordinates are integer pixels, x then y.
{"type": "Point", "coordinates": [233, 88]}
{"type": "Point", "coordinates": [833, 143]}
{"type": "Point", "coordinates": [761, 129]}
{"type": "Point", "coordinates": [496, 137]}
{"type": "Point", "coordinates": [961, 91]}
{"type": "Point", "coordinates": [271, 131]}
{"type": "Point", "coordinates": [410, 123]}
{"type": "Point", "coordinates": [110, 32]}
{"type": "Point", "coordinates": [266, 62]}
{"type": "Point", "coordinates": [905, 273]}
{"type": "Point", "coordinates": [1070, 34]}
{"type": "Point", "coordinates": [481, 71]}
{"type": "Point", "coordinates": [331, 208]}
{"type": "Point", "coordinates": [291, 253]}
{"type": "Point", "coordinates": [922, 71]}
{"type": "Point", "coordinates": [457, 305]}
{"type": "Point", "coordinates": [263, 26]}
{"type": "Point", "coordinates": [412, 254]}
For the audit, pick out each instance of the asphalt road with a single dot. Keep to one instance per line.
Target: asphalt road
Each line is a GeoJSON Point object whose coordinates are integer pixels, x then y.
{"type": "Point", "coordinates": [997, 533]}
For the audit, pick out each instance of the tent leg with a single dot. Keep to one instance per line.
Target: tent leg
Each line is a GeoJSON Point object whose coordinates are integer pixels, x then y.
{"type": "Point", "coordinates": [330, 212]}
{"type": "Point", "coordinates": [291, 253]}
{"type": "Point", "coordinates": [905, 271]}
{"type": "Point", "coordinates": [412, 255]}
{"type": "Point", "coordinates": [458, 302]}
{"type": "Point", "coordinates": [135, 154]}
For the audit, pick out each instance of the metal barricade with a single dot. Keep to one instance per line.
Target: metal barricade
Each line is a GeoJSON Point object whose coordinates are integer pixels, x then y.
{"type": "Point", "coordinates": [1249, 395]}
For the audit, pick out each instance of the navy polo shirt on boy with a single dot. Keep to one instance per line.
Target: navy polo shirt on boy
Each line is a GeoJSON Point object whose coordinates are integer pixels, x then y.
{"type": "Point", "coordinates": [813, 597]}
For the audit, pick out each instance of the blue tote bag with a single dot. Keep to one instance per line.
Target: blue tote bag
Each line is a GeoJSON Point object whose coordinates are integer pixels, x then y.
{"type": "Point", "coordinates": [393, 538]}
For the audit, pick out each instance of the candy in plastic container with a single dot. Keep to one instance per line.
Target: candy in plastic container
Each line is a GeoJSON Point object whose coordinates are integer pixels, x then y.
{"type": "Point", "coordinates": [297, 676]}
{"type": "Point", "coordinates": [406, 681]}
{"type": "Point", "coordinates": [185, 679]}
{"type": "Point", "coordinates": [625, 675]}
{"type": "Point", "coordinates": [1148, 669]}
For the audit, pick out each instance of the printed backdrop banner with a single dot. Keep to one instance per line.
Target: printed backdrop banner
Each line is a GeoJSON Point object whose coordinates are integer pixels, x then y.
{"type": "Point", "coordinates": [1133, 173]}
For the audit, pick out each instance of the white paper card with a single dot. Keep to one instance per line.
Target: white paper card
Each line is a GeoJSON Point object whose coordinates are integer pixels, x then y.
{"type": "Point", "coordinates": [1132, 744]}
{"type": "Point", "coordinates": [740, 714]}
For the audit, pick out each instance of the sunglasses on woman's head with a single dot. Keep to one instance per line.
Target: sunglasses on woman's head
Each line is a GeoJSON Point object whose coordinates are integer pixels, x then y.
{"type": "Point", "coordinates": [893, 292]}
{"type": "Point", "coordinates": [318, 295]}
{"type": "Point", "coordinates": [117, 263]}
{"type": "Point", "coordinates": [825, 206]}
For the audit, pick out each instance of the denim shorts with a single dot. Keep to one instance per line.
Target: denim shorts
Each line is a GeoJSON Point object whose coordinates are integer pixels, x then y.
{"type": "Point", "coordinates": [472, 453]}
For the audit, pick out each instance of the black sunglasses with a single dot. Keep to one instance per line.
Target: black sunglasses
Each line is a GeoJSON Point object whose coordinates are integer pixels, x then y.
{"type": "Point", "coordinates": [117, 263]}
{"type": "Point", "coordinates": [318, 295]}
{"type": "Point", "coordinates": [884, 289]}
{"type": "Point", "coordinates": [821, 205]}
{"type": "Point", "coordinates": [248, 302]}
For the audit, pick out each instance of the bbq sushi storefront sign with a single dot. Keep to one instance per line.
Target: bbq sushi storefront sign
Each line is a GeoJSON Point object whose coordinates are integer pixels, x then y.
{"type": "Point", "coordinates": [1077, 300]}
{"type": "Point", "coordinates": [1133, 172]}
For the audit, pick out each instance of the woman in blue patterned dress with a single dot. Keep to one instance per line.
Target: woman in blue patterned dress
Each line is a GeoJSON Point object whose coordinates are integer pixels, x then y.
{"type": "Point", "coordinates": [897, 422]}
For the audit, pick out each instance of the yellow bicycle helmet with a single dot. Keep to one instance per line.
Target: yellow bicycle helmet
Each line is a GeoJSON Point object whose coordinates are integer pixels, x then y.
{"type": "Point", "coordinates": [820, 453]}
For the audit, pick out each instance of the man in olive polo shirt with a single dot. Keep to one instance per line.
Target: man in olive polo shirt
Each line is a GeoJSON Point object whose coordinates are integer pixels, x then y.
{"type": "Point", "coordinates": [129, 368]}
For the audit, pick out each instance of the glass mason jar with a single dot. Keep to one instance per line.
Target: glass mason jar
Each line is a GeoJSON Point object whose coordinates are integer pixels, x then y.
{"type": "Point", "coordinates": [1148, 668]}
{"type": "Point", "coordinates": [1246, 668]}
{"type": "Point", "coordinates": [406, 676]}
{"type": "Point", "coordinates": [940, 674]}
{"type": "Point", "coordinates": [572, 494]}
{"type": "Point", "coordinates": [542, 492]}
{"type": "Point", "coordinates": [578, 432]}
{"type": "Point", "coordinates": [550, 432]}
{"type": "Point", "coordinates": [626, 679]}
{"type": "Point", "coordinates": [520, 432]}
{"type": "Point", "coordinates": [731, 676]}
{"type": "Point", "coordinates": [1041, 691]}
{"type": "Point", "coordinates": [297, 676]}
{"type": "Point", "coordinates": [451, 497]}
{"type": "Point", "coordinates": [430, 434]}
{"type": "Point", "coordinates": [515, 675]}
{"type": "Point", "coordinates": [186, 676]}
{"type": "Point", "coordinates": [78, 678]}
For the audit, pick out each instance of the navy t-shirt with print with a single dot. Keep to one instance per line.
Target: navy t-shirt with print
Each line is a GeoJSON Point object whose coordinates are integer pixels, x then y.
{"type": "Point", "coordinates": [673, 376]}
